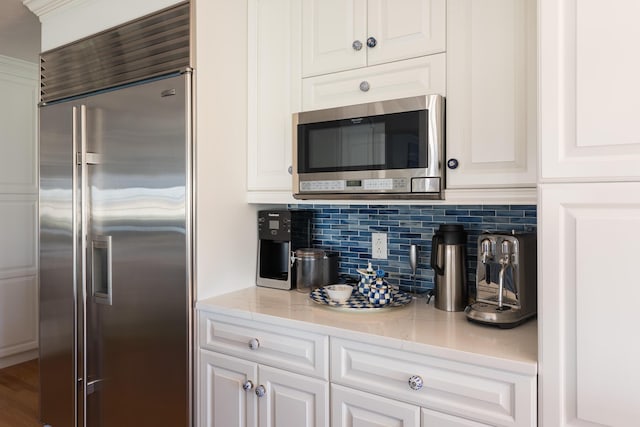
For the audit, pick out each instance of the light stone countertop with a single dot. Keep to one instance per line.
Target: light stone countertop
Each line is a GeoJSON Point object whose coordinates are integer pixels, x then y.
{"type": "Point", "coordinates": [417, 327]}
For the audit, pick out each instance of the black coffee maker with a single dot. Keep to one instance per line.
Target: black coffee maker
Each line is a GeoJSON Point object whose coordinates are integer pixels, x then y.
{"type": "Point", "coordinates": [280, 234]}
{"type": "Point", "coordinates": [448, 250]}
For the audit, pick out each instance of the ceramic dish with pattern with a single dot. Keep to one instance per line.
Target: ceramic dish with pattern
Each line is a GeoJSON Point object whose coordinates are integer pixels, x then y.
{"type": "Point", "coordinates": [359, 302]}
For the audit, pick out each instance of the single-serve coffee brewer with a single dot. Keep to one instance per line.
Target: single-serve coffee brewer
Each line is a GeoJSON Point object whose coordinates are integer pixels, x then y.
{"type": "Point", "coordinates": [506, 279]}
{"type": "Point", "coordinates": [280, 234]}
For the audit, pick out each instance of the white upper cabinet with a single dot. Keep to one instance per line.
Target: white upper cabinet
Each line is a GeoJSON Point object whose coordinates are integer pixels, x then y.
{"type": "Point", "coordinates": [273, 66]}
{"type": "Point", "coordinates": [591, 89]}
{"type": "Point", "coordinates": [491, 93]}
{"type": "Point", "coordinates": [339, 35]}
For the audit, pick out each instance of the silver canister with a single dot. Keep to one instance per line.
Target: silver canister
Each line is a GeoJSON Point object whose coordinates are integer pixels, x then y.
{"type": "Point", "coordinates": [315, 268]}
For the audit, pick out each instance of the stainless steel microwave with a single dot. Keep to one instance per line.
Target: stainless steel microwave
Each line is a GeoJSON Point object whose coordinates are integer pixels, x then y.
{"type": "Point", "coordinates": [387, 149]}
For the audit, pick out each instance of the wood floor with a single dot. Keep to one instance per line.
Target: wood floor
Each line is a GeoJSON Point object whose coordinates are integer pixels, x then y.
{"type": "Point", "coordinates": [19, 395]}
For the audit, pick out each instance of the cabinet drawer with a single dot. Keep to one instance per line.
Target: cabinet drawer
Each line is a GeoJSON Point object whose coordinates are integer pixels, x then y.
{"type": "Point", "coordinates": [294, 350]}
{"type": "Point", "coordinates": [474, 392]}
{"type": "Point", "coordinates": [413, 77]}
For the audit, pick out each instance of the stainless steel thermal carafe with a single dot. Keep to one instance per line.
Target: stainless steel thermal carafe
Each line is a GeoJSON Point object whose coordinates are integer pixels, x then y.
{"type": "Point", "coordinates": [448, 248]}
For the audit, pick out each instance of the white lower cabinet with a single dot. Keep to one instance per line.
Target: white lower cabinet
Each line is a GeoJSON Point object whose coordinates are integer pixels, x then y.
{"type": "Point", "coordinates": [236, 392]}
{"type": "Point", "coordinates": [253, 373]}
{"type": "Point", "coordinates": [223, 400]}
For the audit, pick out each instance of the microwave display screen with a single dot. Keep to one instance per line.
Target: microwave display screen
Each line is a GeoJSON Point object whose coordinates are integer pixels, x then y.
{"type": "Point", "coordinates": [389, 141]}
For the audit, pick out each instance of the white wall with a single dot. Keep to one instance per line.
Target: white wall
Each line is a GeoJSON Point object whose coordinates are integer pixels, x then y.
{"type": "Point", "coordinates": [18, 211]}
{"type": "Point", "coordinates": [226, 225]}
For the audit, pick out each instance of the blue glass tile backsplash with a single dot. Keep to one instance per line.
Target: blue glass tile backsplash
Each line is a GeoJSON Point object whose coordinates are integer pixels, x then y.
{"type": "Point", "coordinates": [347, 230]}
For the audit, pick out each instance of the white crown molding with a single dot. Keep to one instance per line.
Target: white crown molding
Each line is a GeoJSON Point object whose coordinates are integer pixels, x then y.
{"type": "Point", "coordinates": [18, 67]}
{"type": "Point", "coordinates": [43, 7]}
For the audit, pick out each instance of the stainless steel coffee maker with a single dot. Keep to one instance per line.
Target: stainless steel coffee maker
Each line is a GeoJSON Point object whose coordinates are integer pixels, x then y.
{"type": "Point", "coordinates": [506, 279]}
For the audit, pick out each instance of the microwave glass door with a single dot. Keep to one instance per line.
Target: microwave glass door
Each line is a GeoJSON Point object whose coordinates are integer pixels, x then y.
{"type": "Point", "coordinates": [389, 141]}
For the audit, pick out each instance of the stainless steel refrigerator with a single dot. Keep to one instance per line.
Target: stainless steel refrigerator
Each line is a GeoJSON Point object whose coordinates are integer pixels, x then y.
{"type": "Point", "coordinates": [115, 256]}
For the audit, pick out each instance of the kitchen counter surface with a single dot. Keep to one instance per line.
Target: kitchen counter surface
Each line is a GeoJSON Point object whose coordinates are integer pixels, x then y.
{"type": "Point", "coordinates": [416, 327]}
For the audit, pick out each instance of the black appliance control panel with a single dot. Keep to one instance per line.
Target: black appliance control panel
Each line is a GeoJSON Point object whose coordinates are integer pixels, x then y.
{"type": "Point", "coordinates": [284, 225]}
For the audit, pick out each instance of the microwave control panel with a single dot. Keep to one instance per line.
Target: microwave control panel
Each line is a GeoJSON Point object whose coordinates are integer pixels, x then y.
{"type": "Point", "coordinates": [357, 185]}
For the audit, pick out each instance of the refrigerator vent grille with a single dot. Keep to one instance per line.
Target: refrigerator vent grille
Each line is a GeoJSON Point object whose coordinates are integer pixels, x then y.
{"type": "Point", "coordinates": [151, 46]}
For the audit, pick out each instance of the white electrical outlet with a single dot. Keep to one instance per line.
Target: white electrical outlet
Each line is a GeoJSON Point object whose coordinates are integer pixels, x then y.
{"type": "Point", "coordinates": [379, 245]}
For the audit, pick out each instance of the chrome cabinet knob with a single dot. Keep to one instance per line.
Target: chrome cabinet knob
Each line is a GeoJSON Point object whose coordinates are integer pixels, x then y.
{"type": "Point", "coordinates": [364, 86]}
{"type": "Point", "coordinates": [260, 391]}
{"type": "Point", "coordinates": [254, 344]}
{"type": "Point", "coordinates": [247, 385]}
{"type": "Point", "coordinates": [372, 42]}
{"type": "Point", "coordinates": [415, 382]}
{"type": "Point", "coordinates": [452, 163]}
{"type": "Point", "coordinates": [290, 170]}
{"type": "Point", "coordinates": [356, 45]}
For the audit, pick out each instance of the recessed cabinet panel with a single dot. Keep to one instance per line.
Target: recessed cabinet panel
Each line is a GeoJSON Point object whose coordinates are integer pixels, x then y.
{"type": "Point", "coordinates": [18, 120]}
{"type": "Point", "coordinates": [405, 29]}
{"type": "Point", "coordinates": [420, 76]}
{"type": "Point", "coordinates": [18, 315]}
{"type": "Point", "coordinates": [353, 408]}
{"type": "Point", "coordinates": [491, 93]}
{"type": "Point", "coordinates": [438, 419]}
{"type": "Point", "coordinates": [330, 29]}
{"type": "Point", "coordinates": [487, 395]}
{"type": "Point", "coordinates": [18, 235]}
{"type": "Point", "coordinates": [588, 305]}
{"type": "Point", "coordinates": [223, 401]}
{"type": "Point", "coordinates": [589, 90]}
{"type": "Point", "coordinates": [292, 400]}
{"type": "Point", "coordinates": [273, 66]}
{"type": "Point", "coordinates": [290, 349]}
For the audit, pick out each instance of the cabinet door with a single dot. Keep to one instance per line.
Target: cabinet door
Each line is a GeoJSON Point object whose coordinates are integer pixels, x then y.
{"type": "Point", "coordinates": [438, 419]}
{"type": "Point", "coordinates": [351, 408]}
{"type": "Point", "coordinates": [329, 30]}
{"type": "Point", "coordinates": [292, 400]}
{"type": "Point", "coordinates": [222, 400]}
{"type": "Point", "coordinates": [491, 93]}
{"type": "Point", "coordinates": [405, 29]}
{"type": "Point", "coordinates": [588, 302]}
{"type": "Point", "coordinates": [589, 90]}
{"type": "Point", "coordinates": [273, 66]}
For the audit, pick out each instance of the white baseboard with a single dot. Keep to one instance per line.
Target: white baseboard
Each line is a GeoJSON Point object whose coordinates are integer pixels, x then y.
{"type": "Point", "coordinates": [15, 359]}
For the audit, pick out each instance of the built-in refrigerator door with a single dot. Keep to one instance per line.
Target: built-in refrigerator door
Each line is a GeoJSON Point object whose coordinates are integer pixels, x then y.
{"type": "Point", "coordinates": [58, 291]}
{"type": "Point", "coordinates": [136, 175]}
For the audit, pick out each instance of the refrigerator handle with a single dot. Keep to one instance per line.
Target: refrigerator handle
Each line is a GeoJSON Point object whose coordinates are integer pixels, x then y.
{"type": "Point", "coordinates": [101, 269]}
{"type": "Point", "coordinates": [84, 227]}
